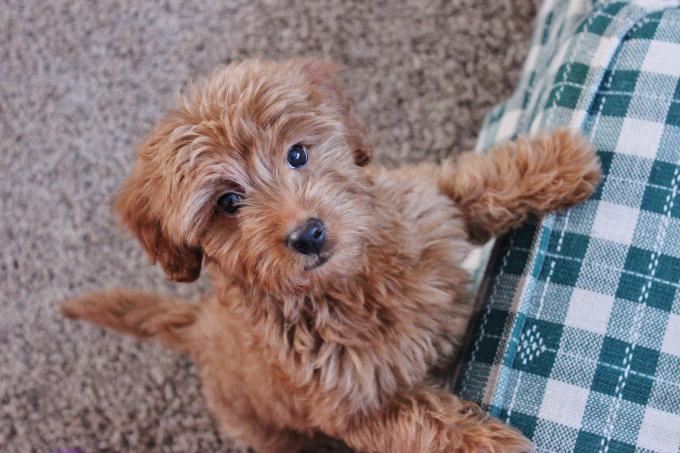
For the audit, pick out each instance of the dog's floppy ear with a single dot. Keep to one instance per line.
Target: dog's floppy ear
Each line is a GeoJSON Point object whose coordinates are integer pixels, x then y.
{"type": "Point", "coordinates": [323, 75]}
{"type": "Point", "coordinates": [142, 208]}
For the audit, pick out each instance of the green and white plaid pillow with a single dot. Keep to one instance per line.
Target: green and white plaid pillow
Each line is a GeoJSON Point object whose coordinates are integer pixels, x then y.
{"type": "Point", "coordinates": [577, 342]}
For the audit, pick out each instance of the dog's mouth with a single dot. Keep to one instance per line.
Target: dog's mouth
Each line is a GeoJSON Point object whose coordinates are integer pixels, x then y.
{"type": "Point", "coordinates": [320, 261]}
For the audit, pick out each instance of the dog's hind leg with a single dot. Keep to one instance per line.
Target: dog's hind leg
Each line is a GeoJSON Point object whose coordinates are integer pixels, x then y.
{"type": "Point", "coordinates": [144, 315]}
{"type": "Point", "coordinates": [498, 190]}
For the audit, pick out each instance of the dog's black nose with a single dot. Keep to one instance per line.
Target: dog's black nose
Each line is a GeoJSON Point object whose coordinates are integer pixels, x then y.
{"type": "Point", "coordinates": [309, 238]}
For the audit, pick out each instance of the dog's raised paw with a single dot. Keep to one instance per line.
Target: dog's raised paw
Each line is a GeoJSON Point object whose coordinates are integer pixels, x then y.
{"type": "Point", "coordinates": [575, 166]}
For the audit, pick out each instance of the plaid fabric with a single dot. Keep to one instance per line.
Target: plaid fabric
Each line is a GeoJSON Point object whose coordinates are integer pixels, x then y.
{"type": "Point", "coordinates": [577, 342]}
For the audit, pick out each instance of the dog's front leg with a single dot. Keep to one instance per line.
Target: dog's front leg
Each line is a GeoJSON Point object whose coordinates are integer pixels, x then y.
{"type": "Point", "coordinates": [430, 421]}
{"type": "Point", "coordinates": [498, 190]}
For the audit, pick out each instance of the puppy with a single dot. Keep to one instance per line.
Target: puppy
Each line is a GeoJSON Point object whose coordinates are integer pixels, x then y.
{"type": "Point", "coordinates": [339, 293]}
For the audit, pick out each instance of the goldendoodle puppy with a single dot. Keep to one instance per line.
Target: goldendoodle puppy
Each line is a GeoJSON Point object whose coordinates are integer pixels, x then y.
{"type": "Point", "coordinates": [339, 293]}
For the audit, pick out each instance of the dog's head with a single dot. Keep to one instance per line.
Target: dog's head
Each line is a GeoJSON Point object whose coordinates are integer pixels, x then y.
{"type": "Point", "coordinates": [258, 172]}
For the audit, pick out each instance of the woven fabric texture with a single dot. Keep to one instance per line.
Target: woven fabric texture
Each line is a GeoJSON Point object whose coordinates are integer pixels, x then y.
{"type": "Point", "coordinates": [577, 342]}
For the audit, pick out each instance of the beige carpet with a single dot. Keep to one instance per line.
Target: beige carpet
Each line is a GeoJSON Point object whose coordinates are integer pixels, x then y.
{"type": "Point", "coordinates": [82, 81]}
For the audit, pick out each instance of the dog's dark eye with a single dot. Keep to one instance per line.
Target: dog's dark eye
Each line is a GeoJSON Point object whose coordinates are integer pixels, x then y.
{"type": "Point", "coordinates": [297, 156]}
{"type": "Point", "coordinates": [230, 202]}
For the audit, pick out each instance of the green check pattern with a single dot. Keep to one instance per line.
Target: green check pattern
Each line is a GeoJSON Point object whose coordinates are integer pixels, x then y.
{"type": "Point", "coordinates": [577, 341]}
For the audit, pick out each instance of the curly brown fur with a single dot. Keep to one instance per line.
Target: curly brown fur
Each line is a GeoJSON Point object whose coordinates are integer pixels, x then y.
{"type": "Point", "coordinates": [346, 341]}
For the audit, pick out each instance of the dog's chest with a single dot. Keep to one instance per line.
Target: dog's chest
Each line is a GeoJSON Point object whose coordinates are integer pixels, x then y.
{"type": "Point", "coordinates": [433, 227]}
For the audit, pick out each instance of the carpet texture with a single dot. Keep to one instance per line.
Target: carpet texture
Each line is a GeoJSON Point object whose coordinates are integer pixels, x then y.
{"type": "Point", "coordinates": [81, 82]}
